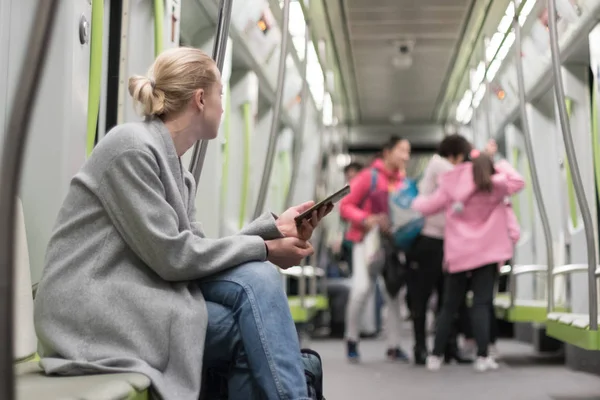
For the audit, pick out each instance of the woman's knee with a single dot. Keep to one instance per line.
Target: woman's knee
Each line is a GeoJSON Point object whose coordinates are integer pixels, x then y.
{"type": "Point", "coordinates": [261, 276]}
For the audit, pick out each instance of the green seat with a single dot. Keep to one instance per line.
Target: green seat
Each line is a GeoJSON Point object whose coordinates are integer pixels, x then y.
{"type": "Point", "coordinates": [521, 310]}
{"type": "Point", "coordinates": [312, 303]}
{"type": "Point", "coordinates": [573, 329]}
{"type": "Point", "coordinates": [31, 382]}
{"type": "Point", "coordinates": [303, 314]}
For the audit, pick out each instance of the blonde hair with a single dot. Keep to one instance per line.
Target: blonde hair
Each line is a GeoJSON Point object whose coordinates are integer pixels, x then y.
{"type": "Point", "coordinates": [172, 80]}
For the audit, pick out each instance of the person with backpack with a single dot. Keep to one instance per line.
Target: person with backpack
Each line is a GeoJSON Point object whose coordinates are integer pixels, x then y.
{"type": "Point", "coordinates": [476, 240]}
{"type": "Point", "coordinates": [366, 208]}
{"type": "Point", "coordinates": [427, 254]}
{"type": "Point", "coordinates": [350, 171]}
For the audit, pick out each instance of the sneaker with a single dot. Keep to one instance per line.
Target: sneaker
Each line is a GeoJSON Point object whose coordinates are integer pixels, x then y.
{"type": "Point", "coordinates": [434, 363]}
{"type": "Point", "coordinates": [493, 352]}
{"type": "Point", "coordinates": [492, 364]}
{"type": "Point", "coordinates": [483, 364]}
{"type": "Point", "coordinates": [313, 370]}
{"type": "Point", "coordinates": [352, 351]}
{"type": "Point", "coordinates": [396, 354]}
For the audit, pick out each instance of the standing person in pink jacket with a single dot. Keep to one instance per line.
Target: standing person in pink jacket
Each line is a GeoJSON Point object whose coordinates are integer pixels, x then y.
{"type": "Point", "coordinates": [427, 253]}
{"type": "Point", "coordinates": [366, 207]}
{"type": "Point", "coordinates": [476, 240]}
{"type": "Point", "coordinates": [514, 232]}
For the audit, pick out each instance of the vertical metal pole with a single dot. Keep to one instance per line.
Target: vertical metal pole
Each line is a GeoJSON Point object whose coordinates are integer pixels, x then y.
{"type": "Point", "coordinates": [15, 140]}
{"type": "Point", "coordinates": [266, 176]}
{"type": "Point", "coordinates": [486, 96]}
{"type": "Point", "coordinates": [537, 189]}
{"type": "Point", "coordinates": [219, 49]}
{"type": "Point", "coordinates": [299, 136]}
{"type": "Point", "coordinates": [586, 215]}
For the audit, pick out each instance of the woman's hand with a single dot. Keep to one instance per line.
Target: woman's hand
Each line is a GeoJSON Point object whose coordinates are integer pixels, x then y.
{"type": "Point", "coordinates": [288, 252]}
{"type": "Point", "coordinates": [287, 225]}
{"type": "Point", "coordinates": [491, 148]}
{"type": "Point", "coordinates": [380, 220]}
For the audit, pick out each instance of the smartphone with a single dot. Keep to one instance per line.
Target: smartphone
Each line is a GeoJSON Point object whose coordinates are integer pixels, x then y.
{"type": "Point", "coordinates": [334, 198]}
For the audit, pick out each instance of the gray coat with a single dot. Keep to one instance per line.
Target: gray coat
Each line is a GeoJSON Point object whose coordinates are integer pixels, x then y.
{"type": "Point", "coordinates": [117, 292]}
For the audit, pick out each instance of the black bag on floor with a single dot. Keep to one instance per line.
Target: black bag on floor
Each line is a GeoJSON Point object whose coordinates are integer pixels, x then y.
{"type": "Point", "coordinates": [313, 370]}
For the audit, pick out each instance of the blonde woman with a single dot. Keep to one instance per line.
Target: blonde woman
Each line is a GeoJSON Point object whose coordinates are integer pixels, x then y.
{"type": "Point", "coordinates": [132, 284]}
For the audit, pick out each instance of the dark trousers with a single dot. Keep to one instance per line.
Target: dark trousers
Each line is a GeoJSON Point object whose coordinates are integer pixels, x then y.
{"type": "Point", "coordinates": [482, 284]}
{"type": "Point", "coordinates": [465, 317]}
{"type": "Point", "coordinates": [426, 258]}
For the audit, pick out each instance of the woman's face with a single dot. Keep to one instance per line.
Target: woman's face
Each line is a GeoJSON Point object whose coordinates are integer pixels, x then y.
{"type": "Point", "coordinates": [210, 106]}
{"type": "Point", "coordinates": [455, 160]}
{"type": "Point", "coordinates": [399, 155]}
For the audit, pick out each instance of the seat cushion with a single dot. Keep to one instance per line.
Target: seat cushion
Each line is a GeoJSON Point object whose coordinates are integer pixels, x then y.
{"type": "Point", "coordinates": [33, 384]}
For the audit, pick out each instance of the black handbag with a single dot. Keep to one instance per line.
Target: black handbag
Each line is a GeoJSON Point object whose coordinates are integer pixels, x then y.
{"type": "Point", "coordinates": [395, 270]}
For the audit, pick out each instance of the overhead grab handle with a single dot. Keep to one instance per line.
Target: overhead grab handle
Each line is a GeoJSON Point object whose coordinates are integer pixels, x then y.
{"type": "Point", "coordinates": [219, 48]}
{"type": "Point", "coordinates": [264, 183]}
{"type": "Point", "coordinates": [586, 215]}
{"type": "Point", "coordinates": [15, 138]}
{"type": "Point", "coordinates": [537, 190]}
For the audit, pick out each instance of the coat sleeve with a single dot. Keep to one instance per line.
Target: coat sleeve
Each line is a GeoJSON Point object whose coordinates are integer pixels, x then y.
{"type": "Point", "coordinates": [134, 198]}
{"type": "Point", "coordinates": [432, 204]}
{"type": "Point", "coordinates": [507, 179]}
{"type": "Point", "coordinates": [350, 206]}
{"type": "Point", "coordinates": [264, 226]}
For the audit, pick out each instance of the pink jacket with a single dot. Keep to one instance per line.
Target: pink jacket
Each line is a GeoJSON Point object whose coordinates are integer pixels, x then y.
{"type": "Point", "coordinates": [358, 205]}
{"type": "Point", "coordinates": [477, 227]}
{"type": "Point", "coordinates": [514, 230]}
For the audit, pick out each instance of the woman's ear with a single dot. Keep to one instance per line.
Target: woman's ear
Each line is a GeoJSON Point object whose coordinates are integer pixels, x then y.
{"type": "Point", "coordinates": [199, 99]}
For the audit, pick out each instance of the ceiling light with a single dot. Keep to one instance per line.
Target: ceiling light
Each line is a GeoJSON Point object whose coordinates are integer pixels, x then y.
{"type": "Point", "coordinates": [493, 69]}
{"type": "Point", "coordinates": [402, 61]}
{"type": "Point", "coordinates": [397, 118]}
{"type": "Point", "coordinates": [343, 160]}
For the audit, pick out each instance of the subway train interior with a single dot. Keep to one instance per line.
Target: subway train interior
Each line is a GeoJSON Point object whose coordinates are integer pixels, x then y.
{"type": "Point", "coordinates": [309, 87]}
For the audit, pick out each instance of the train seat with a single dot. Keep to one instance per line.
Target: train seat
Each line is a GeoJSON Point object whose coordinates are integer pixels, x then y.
{"type": "Point", "coordinates": [31, 382]}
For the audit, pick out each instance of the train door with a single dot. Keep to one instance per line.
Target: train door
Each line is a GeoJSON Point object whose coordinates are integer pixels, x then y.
{"type": "Point", "coordinates": [56, 143]}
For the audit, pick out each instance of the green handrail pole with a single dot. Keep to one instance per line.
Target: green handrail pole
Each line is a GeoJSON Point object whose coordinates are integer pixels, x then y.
{"type": "Point", "coordinates": [159, 26]}
{"type": "Point", "coordinates": [535, 181]}
{"type": "Point", "coordinates": [219, 49]}
{"type": "Point", "coordinates": [95, 83]}
{"type": "Point", "coordinates": [15, 140]}
{"type": "Point", "coordinates": [586, 215]}
{"type": "Point", "coordinates": [299, 136]}
{"type": "Point", "coordinates": [273, 134]}
{"type": "Point", "coordinates": [247, 113]}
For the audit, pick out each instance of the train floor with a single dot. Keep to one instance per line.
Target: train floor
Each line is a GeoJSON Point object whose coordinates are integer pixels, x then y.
{"type": "Point", "coordinates": [523, 375]}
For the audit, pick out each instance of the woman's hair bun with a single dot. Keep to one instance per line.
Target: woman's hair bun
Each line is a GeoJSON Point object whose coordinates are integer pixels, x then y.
{"type": "Point", "coordinates": [146, 96]}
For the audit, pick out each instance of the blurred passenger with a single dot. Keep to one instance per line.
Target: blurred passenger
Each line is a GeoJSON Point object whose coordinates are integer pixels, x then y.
{"type": "Point", "coordinates": [476, 240]}
{"type": "Point", "coordinates": [351, 170]}
{"type": "Point", "coordinates": [427, 254]}
{"type": "Point", "coordinates": [514, 232]}
{"type": "Point", "coordinates": [366, 207]}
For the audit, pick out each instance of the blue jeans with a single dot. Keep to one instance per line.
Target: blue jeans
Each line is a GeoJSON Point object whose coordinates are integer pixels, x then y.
{"type": "Point", "coordinates": [224, 354]}
{"type": "Point", "coordinates": [253, 293]}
